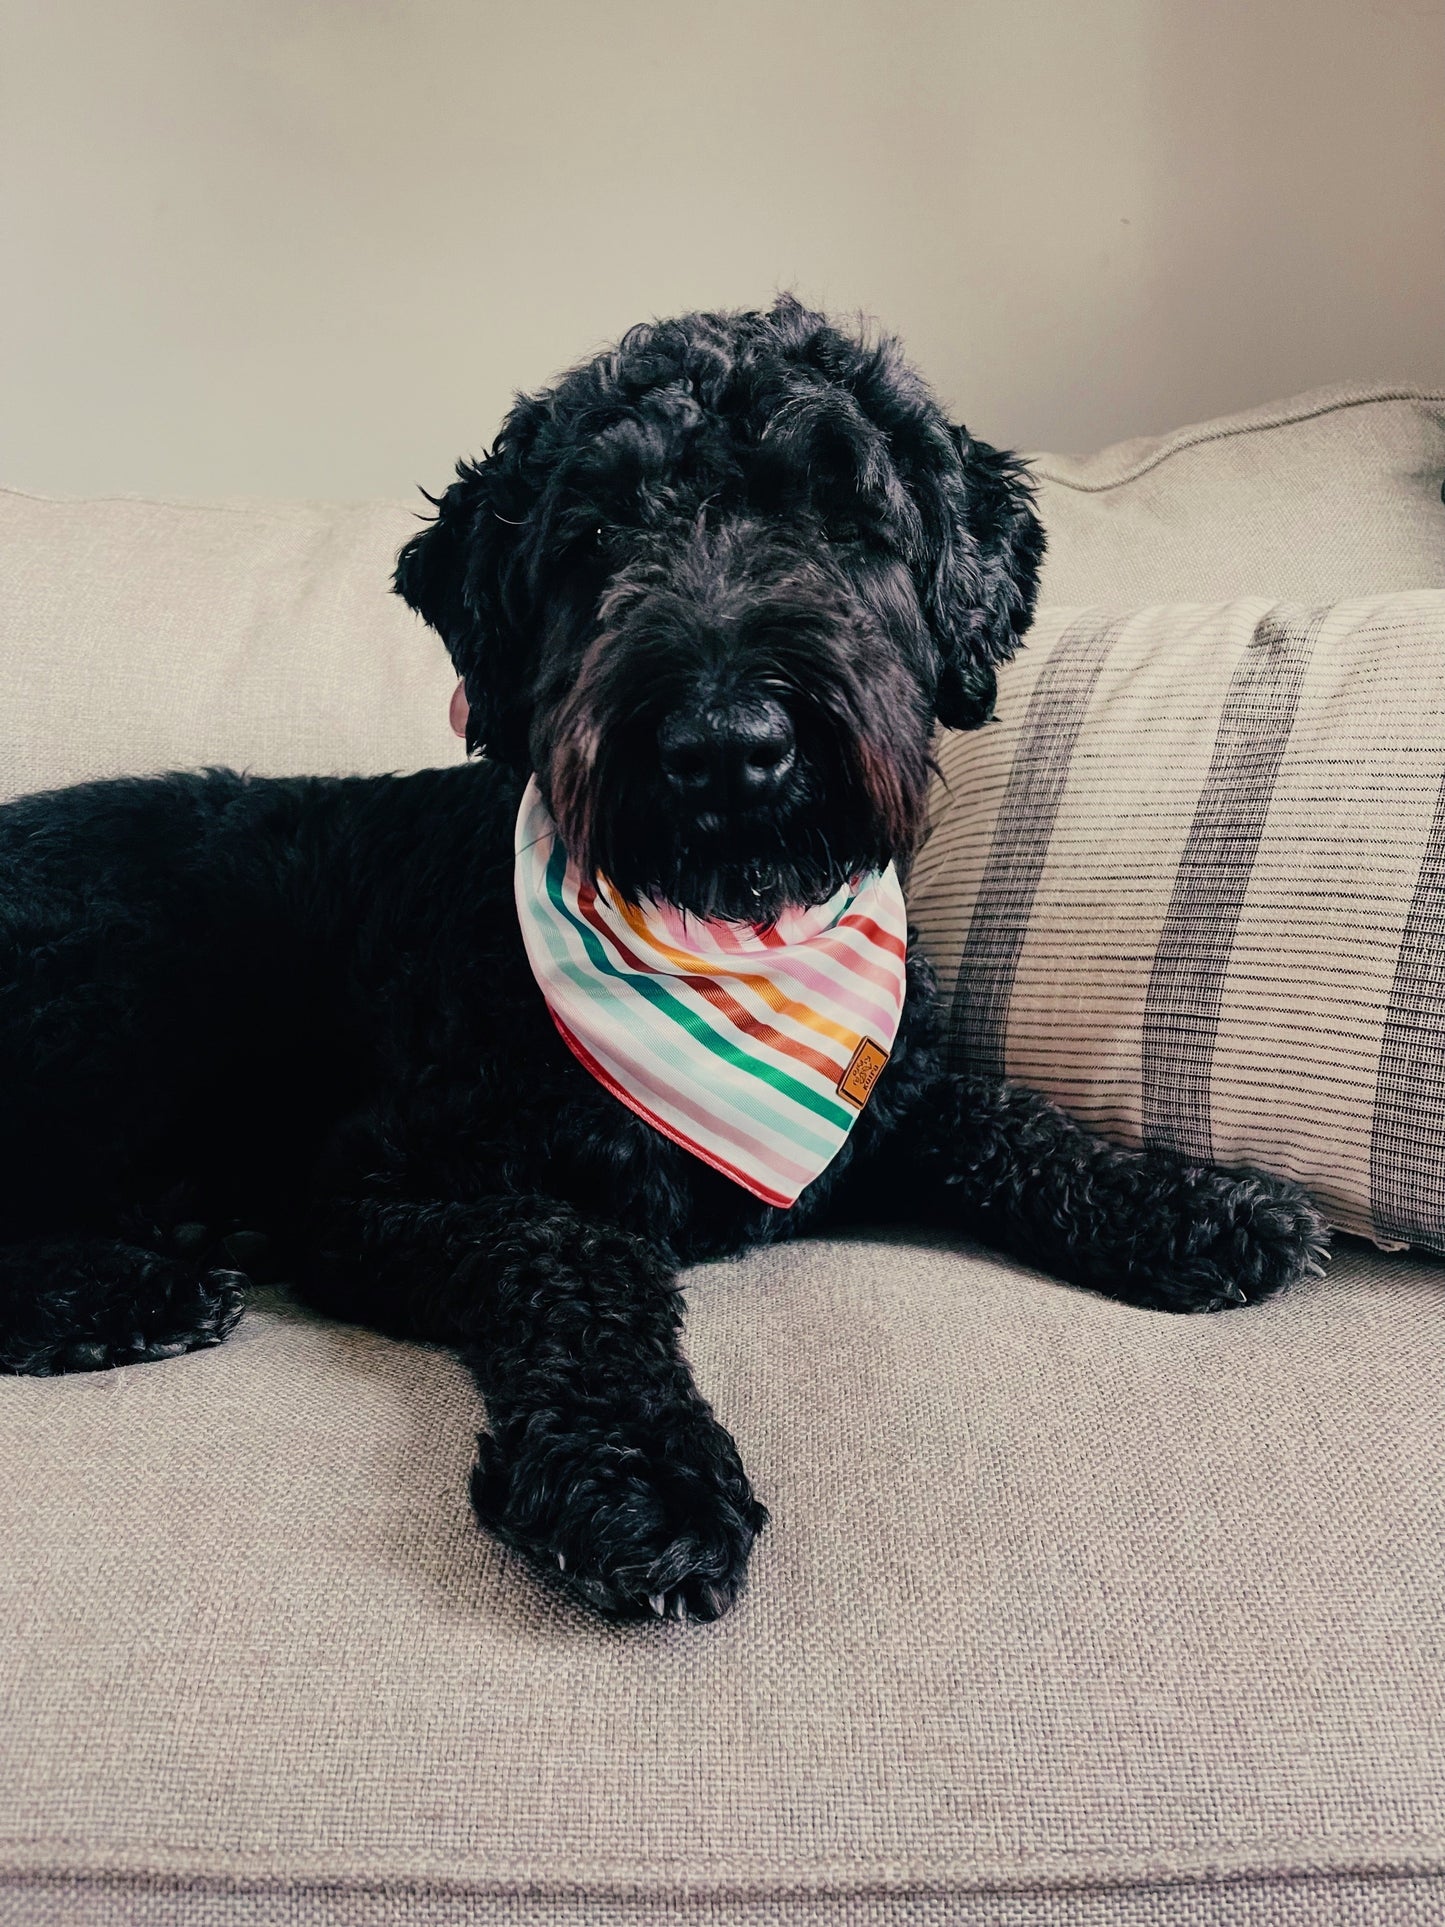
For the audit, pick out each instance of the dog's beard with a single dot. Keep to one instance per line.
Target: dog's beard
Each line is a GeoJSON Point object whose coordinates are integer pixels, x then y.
{"type": "Point", "coordinates": [748, 871]}
{"type": "Point", "coordinates": [854, 800]}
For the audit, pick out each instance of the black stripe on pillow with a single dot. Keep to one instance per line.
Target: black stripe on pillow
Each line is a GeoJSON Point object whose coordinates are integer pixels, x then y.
{"type": "Point", "coordinates": [1186, 984]}
{"type": "Point", "coordinates": [978, 1019]}
{"type": "Point", "coordinates": [1407, 1132]}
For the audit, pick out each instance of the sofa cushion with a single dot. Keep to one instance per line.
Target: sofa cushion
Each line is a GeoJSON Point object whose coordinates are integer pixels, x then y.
{"type": "Point", "coordinates": [1070, 1615]}
{"type": "Point", "coordinates": [1060, 1598]}
{"type": "Point", "coordinates": [139, 636]}
{"type": "Point", "coordinates": [1191, 888]}
{"type": "Point", "coordinates": [1334, 493]}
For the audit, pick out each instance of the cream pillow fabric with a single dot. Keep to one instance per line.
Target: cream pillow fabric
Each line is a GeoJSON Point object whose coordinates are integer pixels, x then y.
{"type": "Point", "coordinates": [1192, 885]}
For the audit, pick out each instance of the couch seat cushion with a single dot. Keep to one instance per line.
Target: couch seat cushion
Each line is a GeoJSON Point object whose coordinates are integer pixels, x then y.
{"type": "Point", "coordinates": [1060, 1596]}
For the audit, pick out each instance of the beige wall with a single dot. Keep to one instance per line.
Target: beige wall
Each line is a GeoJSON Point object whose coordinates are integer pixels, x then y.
{"type": "Point", "coordinates": [310, 246]}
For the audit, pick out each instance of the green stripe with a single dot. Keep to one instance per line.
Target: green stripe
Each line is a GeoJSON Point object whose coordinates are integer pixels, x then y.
{"type": "Point", "coordinates": [667, 1049]}
{"type": "Point", "coordinates": [650, 988]}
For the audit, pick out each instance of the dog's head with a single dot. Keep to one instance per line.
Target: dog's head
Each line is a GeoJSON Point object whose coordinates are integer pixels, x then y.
{"type": "Point", "coordinates": [715, 588]}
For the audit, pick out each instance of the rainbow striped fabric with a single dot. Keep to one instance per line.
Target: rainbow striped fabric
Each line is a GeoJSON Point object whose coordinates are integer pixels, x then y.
{"type": "Point", "coordinates": [753, 1048]}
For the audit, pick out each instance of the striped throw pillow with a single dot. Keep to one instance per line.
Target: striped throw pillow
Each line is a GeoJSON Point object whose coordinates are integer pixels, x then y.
{"type": "Point", "coordinates": [1192, 885]}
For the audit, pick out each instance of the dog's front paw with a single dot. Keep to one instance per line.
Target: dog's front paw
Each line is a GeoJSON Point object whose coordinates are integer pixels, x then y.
{"type": "Point", "coordinates": [1231, 1238]}
{"type": "Point", "coordinates": [635, 1518]}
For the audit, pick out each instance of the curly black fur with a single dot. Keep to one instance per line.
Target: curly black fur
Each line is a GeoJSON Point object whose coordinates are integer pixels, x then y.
{"type": "Point", "coordinates": [714, 588]}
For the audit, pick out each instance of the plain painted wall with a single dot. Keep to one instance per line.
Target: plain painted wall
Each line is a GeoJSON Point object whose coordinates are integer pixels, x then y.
{"type": "Point", "coordinates": [311, 246]}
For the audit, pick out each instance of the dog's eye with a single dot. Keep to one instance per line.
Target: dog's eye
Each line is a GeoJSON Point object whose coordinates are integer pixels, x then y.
{"type": "Point", "coordinates": [842, 523]}
{"type": "Point", "coordinates": [586, 542]}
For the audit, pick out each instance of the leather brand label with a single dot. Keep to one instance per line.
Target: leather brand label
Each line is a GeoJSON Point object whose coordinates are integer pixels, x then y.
{"type": "Point", "coordinates": [856, 1083]}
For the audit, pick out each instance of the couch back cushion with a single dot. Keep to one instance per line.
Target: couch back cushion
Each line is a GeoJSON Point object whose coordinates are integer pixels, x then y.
{"type": "Point", "coordinates": [139, 636]}
{"type": "Point", "coordinates": [1333, 494]}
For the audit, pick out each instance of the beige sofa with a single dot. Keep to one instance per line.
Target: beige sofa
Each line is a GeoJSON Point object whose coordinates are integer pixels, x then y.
{"type": "Point", "coordinates": [1069, 1613]}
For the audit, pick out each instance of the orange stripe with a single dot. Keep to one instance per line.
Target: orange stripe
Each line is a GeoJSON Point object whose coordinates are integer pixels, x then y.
{"type": "Point", "coordinates": [721, 1002]}
{"type": "Point", "coordinates": [768, 991]}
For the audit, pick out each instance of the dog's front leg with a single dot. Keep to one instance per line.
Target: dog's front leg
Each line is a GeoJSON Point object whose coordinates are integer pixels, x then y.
{"type": "Point", "coordinates": [1008, 1166]}
{"type": "Point", "coordinates": [602, 1463]}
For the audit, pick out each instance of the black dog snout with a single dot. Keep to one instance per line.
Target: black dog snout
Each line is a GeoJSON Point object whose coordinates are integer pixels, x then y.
{"type": "Point", "coordinates": [728, 754]}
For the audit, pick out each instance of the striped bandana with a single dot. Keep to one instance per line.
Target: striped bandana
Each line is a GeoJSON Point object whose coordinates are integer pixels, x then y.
{"type": "Point", "coordinates": [755, 1048]}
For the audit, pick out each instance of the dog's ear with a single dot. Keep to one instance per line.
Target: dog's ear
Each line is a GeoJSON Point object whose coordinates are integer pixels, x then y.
{"type": "Point", "coordinates": [984, 575]}
{"type": "Point", "coordinates": [466, 575]}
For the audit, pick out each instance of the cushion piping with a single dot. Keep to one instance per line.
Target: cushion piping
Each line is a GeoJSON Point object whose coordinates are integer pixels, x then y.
{"type": "Point", "coordinates": [1300, 408]}
{"type": "Point", "coordinates": [1369, 1857]}
{"type": "Point", "coordinates": [1306, 407]}
{"type": "Point", "coordinates": [273, 507]}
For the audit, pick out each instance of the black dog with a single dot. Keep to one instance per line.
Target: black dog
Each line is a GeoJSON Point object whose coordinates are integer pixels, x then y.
{"type": "Point", "coordinates": [714, 589]}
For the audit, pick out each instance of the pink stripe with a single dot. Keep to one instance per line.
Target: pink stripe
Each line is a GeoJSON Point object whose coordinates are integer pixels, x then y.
{"type": "Point", "coordinates": [837, 996]}
{"type": "Point", "coordinates": [673, 1100]}
{"type": "Point", "coordinates": [727, 938]}
{"type": "Point", "coordinates": [839, 947]}
{"type": "Point", "coordinates": [639, 1109]}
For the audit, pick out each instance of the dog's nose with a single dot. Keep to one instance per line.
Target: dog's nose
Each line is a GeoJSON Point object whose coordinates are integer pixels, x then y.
{"type": "Point", "coordinates": [738, 753]}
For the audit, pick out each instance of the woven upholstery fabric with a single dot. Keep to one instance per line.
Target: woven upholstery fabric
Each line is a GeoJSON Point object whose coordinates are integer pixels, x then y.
{"type": "Point", "coordinates": [1058, 1594]}
{"type": "Point", "coordinates": [139, 636]}
{"type": "Point", "coordinates": [1193, 886]}
{"type": "Point", "coordinates": [1070, 1615]}
{"type": "Point", "coordinates": [1331, 494]}
{"type": "Point", "coordinates": [1381, 1899]}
